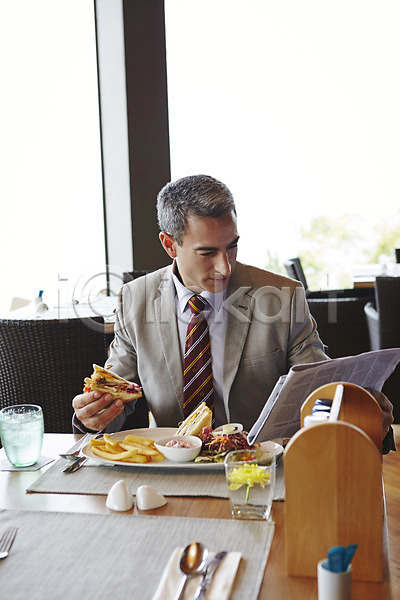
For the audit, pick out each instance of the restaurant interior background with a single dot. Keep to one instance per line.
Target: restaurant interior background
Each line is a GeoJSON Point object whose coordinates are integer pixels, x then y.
{"type": "Point", "coordinates": [294, 105]}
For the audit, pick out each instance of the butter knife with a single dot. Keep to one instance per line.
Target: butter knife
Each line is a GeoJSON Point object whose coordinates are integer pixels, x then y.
{"type": "Point", "coordinates": [208, 575]}
{"type": "Point", "coordinates": [77, 464]}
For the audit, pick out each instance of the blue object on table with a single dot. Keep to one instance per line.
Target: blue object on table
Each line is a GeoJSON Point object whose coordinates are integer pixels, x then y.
{"type": "Point", "coordinates": [320, 409]}
{"type": "Point", "coordinates": [40, 293]}
{"type": "Point", "coordinates": [336, 559]}
{"type": "Point", "coordinates": [348, 555]}
{"type": "Point", "coordinates": [322, 405]}
{"type": "Point", "coordinates": [340, 557]}
{"type": "Point", "coordinates": [324, 402]}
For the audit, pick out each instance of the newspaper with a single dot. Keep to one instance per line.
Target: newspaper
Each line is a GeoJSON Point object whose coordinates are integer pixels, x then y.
{"type": "Point", "coordinates": [280, 416]}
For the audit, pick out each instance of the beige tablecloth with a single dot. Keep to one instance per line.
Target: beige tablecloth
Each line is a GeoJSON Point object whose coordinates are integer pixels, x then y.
{"type": "Point", "coordinates": [65, 556]}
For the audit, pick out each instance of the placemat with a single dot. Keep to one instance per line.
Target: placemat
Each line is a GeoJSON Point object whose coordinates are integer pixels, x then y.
{"type": "Point", "coordinates": [97, 479]}
{"type": "Point", "coordinates": [68, 556]}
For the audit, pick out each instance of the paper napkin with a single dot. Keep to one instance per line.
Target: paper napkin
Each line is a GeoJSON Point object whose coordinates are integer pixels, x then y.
{"type": "Point", "coordinates": [221, 585]}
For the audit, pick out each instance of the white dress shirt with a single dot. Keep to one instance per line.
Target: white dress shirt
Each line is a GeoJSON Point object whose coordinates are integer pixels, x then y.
{"type": "Point", "coordinates": [216, 319]}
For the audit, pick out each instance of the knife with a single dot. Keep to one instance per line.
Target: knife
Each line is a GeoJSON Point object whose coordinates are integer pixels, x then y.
{"type": "Point", "coordinates": [208, 575]}
{"type": "Point", "coordinates": [77, 464]}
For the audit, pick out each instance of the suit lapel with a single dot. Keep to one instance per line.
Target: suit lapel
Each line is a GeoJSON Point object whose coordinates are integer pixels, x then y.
{"type": "Point", "coordinates": [239, 306]}
{"type": "Point", "coordinates": [167, 327]}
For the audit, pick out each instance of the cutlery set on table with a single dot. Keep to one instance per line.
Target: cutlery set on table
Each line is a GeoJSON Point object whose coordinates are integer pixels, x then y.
{"type": "Point", "coordinates": [192, 574]}
{"type": "Point", "coordinates": [208, 575]}
{"type": "Point", "coordinates": [76, 458]}
{"type": "Point", "coordinates": [194, 562]}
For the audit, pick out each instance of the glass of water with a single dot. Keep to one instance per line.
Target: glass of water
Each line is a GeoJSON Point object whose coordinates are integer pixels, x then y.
{"type": "Point", "coordinates": [250, 476]}
{"type": "Point", "coordinates": [21, 432]}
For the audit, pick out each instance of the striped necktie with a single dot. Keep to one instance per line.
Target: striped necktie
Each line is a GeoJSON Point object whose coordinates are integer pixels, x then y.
{"type": "Point", "coordinates": [197, 374]}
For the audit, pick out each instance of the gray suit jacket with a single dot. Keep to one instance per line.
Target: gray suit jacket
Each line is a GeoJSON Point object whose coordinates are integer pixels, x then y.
{"type": "Point", "coordinates": [269, 329]}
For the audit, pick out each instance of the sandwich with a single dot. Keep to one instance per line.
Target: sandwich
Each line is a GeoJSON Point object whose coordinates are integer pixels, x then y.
{"type": "Point", "coordinates": [105, 381]}
{"type": "Point", "coordinates": [194, 424]}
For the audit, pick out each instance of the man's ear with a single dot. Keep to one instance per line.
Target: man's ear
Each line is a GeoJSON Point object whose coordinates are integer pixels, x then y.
{"type": "Point", "coordinates": [168, 243]}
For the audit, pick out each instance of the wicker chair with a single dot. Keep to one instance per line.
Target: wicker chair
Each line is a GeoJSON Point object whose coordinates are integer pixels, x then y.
{"type": "Point", "coordinates": [384, 330]}
{"type": "Point", "coordinates": [45, 362]}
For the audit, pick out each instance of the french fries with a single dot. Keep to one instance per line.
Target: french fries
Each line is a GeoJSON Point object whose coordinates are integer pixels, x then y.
{"type": "Point", "coordinates": [132, 449]}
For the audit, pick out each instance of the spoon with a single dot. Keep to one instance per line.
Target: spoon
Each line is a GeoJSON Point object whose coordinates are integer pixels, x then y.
{"type": "Point", "coordinates": [192, 562]}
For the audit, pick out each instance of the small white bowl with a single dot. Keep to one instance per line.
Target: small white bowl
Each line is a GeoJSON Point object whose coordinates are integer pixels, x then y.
{"type": "Point", "coordinates": [177, 454]}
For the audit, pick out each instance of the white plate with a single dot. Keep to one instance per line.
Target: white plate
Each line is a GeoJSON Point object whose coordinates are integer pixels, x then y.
{"type": "Point", "coordinates": [156, 434]}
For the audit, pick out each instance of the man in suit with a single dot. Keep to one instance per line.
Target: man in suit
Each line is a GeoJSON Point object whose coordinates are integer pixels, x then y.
{"type": "Point", "coordinates": [259, 322]}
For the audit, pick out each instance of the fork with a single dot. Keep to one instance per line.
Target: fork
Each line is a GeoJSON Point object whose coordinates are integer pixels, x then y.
{"type": "Point", "coordinates": [77, 460]}
{"type": "Point", "coordinates": [7, 540]}
{"type": "Point", "coordinates": [75, 454]}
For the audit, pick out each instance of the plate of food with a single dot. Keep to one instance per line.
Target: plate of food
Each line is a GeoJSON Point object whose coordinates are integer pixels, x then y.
{"type": "Point", "coordinates": [153, 447]}
{"type": "Point", "coordinates": [118, 454]}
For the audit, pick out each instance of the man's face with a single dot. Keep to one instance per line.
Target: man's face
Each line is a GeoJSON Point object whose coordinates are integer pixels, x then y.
{"type": "Point", "coordinates": [207, 256]}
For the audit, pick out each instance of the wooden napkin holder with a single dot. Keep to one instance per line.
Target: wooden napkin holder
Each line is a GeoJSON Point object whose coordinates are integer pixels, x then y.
{"type": "Point", "coordinates": [333, 484]}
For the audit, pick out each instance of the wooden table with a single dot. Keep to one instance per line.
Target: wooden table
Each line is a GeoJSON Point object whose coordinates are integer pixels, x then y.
{"type": "Point", "coordinates": [276, 584]}
{"type": "Point", "coordinates": [391, 478]}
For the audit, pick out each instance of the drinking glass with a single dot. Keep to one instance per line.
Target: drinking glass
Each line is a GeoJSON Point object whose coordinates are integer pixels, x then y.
{"type": "Point", "coordinates": [250, 476]}
{"type": "Point", "coordinates": [21, 432]}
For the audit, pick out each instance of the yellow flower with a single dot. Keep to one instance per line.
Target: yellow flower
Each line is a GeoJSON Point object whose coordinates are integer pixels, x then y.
{"type": "Point", "coordinates": [247, 475]}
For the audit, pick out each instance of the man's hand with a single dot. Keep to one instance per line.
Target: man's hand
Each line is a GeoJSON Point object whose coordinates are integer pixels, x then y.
{"type": "Point", "coordinates": [387, 410]}
{"type": "Point", "coordinates": [95, 410]}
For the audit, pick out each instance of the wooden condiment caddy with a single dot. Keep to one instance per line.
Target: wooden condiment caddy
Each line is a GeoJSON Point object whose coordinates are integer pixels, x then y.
{"type": "Point", "coordinates": [333, 484]}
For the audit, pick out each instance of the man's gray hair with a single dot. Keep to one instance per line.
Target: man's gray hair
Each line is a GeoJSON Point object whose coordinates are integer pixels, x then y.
{"type": "Point", "coordinates": [197, 195]}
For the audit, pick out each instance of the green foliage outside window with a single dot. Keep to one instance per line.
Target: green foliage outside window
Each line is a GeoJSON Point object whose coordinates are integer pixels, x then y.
{"type": "Point", "coordinates": [330, 248]}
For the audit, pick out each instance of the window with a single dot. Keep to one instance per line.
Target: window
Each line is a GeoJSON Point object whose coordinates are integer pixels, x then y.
{"type": "Point", "coordinates": [51, 225]}
{"type": "Point", "coordinates": [294, 105]}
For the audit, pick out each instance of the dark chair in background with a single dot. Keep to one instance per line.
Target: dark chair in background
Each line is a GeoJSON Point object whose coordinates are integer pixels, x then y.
{"type": "Point", "coordinates": [294, 269]}
{"type": "Point", "coordinates": [383, 318]}
{"type": "Point", "coordinates": [373, 325]}
{"type": "Point", "coordinates": [341, 324]}
{"type": "Point", "coordinates": [339, 314]}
